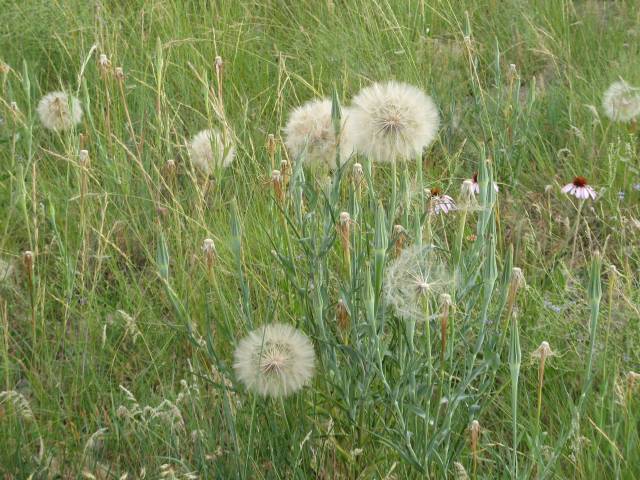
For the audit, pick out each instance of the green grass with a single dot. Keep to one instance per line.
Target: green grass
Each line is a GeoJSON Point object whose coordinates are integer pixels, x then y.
{"type": "Point", "coordinates": [127, 315]}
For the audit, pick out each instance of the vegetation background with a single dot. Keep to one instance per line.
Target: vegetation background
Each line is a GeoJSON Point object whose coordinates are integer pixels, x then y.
{"type": "Point", "coordinates": [117, 350]}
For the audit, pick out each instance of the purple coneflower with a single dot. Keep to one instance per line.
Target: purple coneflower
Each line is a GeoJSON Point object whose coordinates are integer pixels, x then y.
{"type": "Point", "coordinates": [580, 188]}
{"type": "Point", "coordinates": [476, 185]}
{"type": "Point", "coordinates": [441, 203]}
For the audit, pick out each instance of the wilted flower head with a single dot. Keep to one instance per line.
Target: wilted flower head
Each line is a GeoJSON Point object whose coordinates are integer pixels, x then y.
{"type": "Point", "coordinates": [208, 151]}
{"type": "Point", "coordinates": [393, 121]}
{"type": "Point", "coordinates": [417, 272]}
{"type": "Point", "coordinates": [275, 360]}
{"type": "Point", "coordinates": [580, 188]}
{"type": "Point", "coordinates": [358, 173]}
{"type": "Point", "coordinates": [104, 64]}
{"type": "Point", "coordinates": [543, 351]}
{"type": "Point", "coordinates": [309, 133]}
{"type": "Point", "coordinates": [59, 111]}
{"type": "Point", "coordinates": [621, 101]}
{"type": "Point", "coordinates": [209, 250]}
{"type": "Point", "coordinates": [441, 203]}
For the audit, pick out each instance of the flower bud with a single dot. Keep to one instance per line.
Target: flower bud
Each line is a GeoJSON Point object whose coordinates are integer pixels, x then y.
{"type": "Point", "coordinates": [342, 315]}
{"type": "Point", "coordinates": [271, 145]}
{"type": "Point", "coordinates": [358, 173]}
{"type": "Point", "coordinates": [400, 236]}
{"type": "Point", "coordinates": [83, 158]}
{"type": "Point", "coordinates": [170, 168]}
{"type": "Point", "coordinates": [104, 64]}
{"type": "Point", "coordinates": [27, 260]}
{"type": "Point", "coordinates": [276, 180]}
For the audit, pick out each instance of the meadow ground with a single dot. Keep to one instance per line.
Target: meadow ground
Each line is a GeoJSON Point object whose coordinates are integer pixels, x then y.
{"type": "Point", "coordinates": [118, 329]}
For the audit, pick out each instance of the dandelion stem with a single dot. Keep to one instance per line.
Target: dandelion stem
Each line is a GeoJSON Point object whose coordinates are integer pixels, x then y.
{"type": "Point", "coordinates": [394, 192]}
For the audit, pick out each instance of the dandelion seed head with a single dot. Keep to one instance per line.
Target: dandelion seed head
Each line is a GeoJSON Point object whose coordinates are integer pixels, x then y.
{"type": "Point", "coordinates": [309, 134]}
{"type": "Point", "coordinates": [417, 272]}
{"type": "Point", "coordinates": [208, 151]}
{"type": "Point", "coordinates": [59, 111]}
{"type": "Point", "coordinates": [393, 121]}
{"type": "Point", "coordinates": [276, 360]}
{"type": "Point", "coordinates": [621, 102]}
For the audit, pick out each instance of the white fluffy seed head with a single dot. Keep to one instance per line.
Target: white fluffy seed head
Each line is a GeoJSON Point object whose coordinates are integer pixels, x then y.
{"type": "Point", "coordinates": [392, 121]}
{"type": "Point", "coordinates": [59, 111]}
{"type": "Point", "coordinates": [309, 134]}
{"type": "Point", "coordinates": [208, 151]}
{"type": "Point", "coordinates": [621, 102]}
{"type": "Point", "coordinates": [275, 360]}
{"type": "Point", "coordinates": [417, 272]}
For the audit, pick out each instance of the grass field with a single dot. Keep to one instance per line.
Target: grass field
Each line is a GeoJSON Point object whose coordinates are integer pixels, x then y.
{"type": "Point", "coordinates": [118, 330]}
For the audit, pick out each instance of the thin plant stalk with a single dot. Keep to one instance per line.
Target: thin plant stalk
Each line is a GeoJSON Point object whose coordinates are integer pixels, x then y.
{"type": "Point", "coordinates": [575, 231]}
{"type": "Point", "coordinates": [515, 359]}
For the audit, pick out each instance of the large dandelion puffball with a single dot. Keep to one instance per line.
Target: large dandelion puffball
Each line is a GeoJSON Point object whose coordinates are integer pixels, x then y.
{"type": "Point", "coordinates": [276, 360]}
{"type": "Point", "coordinates": [208, 151]}
{"type": "Point", "coordinates": [621, 102]}
{"type": "Point", "coordinates": [392, 121]}
{"type": "Point", "coordinates": [59, 111]}
{"type": "Point", "coordinates": [417, 274]}
{"type": "Point", "coordinates": [309, 133]}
